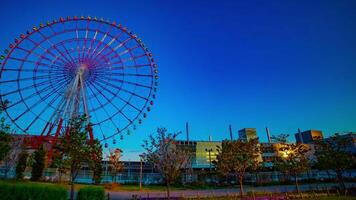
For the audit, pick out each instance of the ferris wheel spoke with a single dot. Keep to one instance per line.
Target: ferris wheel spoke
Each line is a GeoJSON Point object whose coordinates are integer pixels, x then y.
{"type": "Point", "coordinates": [67, 52]}
{"type": "Point", "coordinates": [27, 87]}
{"type": "Point", "coordinates": [128, 50]}
{"type": "Point", "coordinates": [118, 109]}
{"type": "Point", "coordinates": [103, 106]}
{"type": "Point", "coordinates": [100, 42]}
{"type": "Point", "coordinates": [36, 54]}
{"type": "Point", "coordinates": [85, 40]}
{"type": "Point", "coordinates": [118, 55]}
{"type": "Point", "coordinates": [123, 89]}
{"type": "Point", "coordinates": [132, 66]}
{"type": "Point", "coordinates": [109, 44]}
{"type": "Point", "coordinates": [30, 96]}
{"type": "Point", "coordinates": [55, 47]}
{"type": "Point", "coordinates": [97, 119]}
{"type": "Point", "coordinates": [131, 74]}
{"type": "Point", "coordinates": [31, 70]}
{"type": "Point", "coordinates": [42, 111]}
{"type": "Point", "coordinates": [129, 59]}
{"type": "Point", "coordinates": [46, 50]}
{"type": "Point", "coordinates": [61, 43]}
{"type": "Point", "coordinates": [123, 44]}
{"type": "Point", "coordinates": [124, 74]}
{"type": "Point", "coordinates": [30, 78]}
{"type": "Point", "coordinates": [35, 104]}
{"type": "Point", "coordinates": [93, 40]}
{"type": "Point", "coordinates": [115, 95]}
{"type": "Point", "coordinates": [31, 61]}
{"type": "Point", "coordinates": [128, 82]}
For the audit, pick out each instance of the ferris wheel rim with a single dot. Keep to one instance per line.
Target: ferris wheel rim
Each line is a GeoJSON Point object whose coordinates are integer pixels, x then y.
{"type": "Point", "coordinates": [152, 63]}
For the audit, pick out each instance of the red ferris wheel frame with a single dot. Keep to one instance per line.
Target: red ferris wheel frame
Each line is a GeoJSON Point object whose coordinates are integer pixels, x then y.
{"type": "Point", "coordinates": [74, 66]}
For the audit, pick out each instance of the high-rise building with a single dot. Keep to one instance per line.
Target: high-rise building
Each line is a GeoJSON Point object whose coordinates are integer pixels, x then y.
{"type": "Point", "coordinates": [247, 134]}
{"type": "Point", "coordinates": [308, 137]}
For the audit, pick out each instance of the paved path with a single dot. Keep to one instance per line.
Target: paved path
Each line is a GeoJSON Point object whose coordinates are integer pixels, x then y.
{"type": "Point", "coordinates": [221, 192]}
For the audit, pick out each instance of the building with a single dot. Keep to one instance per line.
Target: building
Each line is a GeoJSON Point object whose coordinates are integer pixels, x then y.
{"type": "Point", "coordinates": [203, 152]}
{"type": "Point", "coordinates": [350, 139]}
{"type": "Point", "coordinates": [308, 137]}
{"type": "Point", "coordinates": [268, 154]}
{"type": "Point", "coordinates": [247, 134]}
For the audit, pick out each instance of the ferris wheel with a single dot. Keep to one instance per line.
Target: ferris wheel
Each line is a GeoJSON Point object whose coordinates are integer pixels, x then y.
{"type": "Point", "coordinates": [75, 66]}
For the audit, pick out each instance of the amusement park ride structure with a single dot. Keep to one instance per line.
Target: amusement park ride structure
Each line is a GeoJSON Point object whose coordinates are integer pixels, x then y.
{"type": "Point", "coordinates": [77, 66]}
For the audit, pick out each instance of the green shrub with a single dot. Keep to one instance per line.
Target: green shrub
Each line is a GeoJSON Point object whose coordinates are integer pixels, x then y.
{"type": "Point", "coordinates": [91, 193]}
{"type": "Point", "coordinates": [21, 165]}
{"type": "Point", "coordinates": [38, 164]}
{"type": "Point", "coordinates": [26, 191]}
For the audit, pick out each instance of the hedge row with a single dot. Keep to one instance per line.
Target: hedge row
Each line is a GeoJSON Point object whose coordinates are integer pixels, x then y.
{"type": "Point", "coordinates": [91, 193]}
{"type": "Point", "coordinates": [27, 191]}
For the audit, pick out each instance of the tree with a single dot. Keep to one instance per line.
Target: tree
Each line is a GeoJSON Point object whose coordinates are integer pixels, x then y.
{"type": "Point", "coordinates": [76, 149]}
{"type": "Point", "coordinates": [164, 155]}
{"type": "Point", "coordinates": [5, 137]}
{"type": "Point", "coordinates": [96, 163]}
{"type": "Point", "coordinates": [38, 164]}
{"type": "Point", "coordinates": [115, 164]}
{"type": "Point", "coordinates": [331, 154]}
{"type": "Point", "coordinates": [293, 160]}
{"type": "Point", "coordinates": [11, 159]}
{"type": "Point", "coordinates": [21, 164]}
{"type": "Point", "coordinates": [237, 157]}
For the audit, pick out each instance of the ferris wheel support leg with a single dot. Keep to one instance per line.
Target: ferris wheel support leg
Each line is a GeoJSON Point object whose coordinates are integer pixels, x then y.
{"type": "Point", "coordinates": [91, 133]}
{"type": "Point", "coordinates": [41, 136]}
{"type": "Point", "coordinates": [50, 153]}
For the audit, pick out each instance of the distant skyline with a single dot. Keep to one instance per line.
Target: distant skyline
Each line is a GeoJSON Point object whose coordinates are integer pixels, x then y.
{"type": "Point", "coordinates": [281, 64]}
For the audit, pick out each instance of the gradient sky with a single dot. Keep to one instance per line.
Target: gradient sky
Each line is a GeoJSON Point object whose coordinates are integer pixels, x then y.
{"type": "Point", "coordinates": [281, 64]}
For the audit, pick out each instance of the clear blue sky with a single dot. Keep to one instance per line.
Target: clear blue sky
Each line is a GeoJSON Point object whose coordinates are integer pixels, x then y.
{"type": "Point", "coordinates": [281, 64]}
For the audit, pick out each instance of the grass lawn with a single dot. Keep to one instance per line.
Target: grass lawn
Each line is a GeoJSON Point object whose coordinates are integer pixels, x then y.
{"type": "Point", "coordinates": [77, 186]}
{"type": "Point", "coordinates": [316, 198]}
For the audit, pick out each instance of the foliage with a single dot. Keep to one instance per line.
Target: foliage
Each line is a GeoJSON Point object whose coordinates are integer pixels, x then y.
{"type": "Point", "coordinates": [237, 157]}
{"type": "Point", "coordinates": [21, 164]}
{"type": "Point", "coordinates": [91, 193]}
{"type": "Point", "coordinates": [164, 155]}
{"type": "Point", "coordinates": [5, 137]}
{"type": "Point", "coordinates": [293, 160]}
{"type": "Point", "coordinates": [95, 163]}
{"type": "Point", "coordinates": [76, 150]}
{"type": "Point", "coordinates": [38, 164]}
{"type": "Point", "coordinates": [115, 165]}
{"type": "Point", "coordinates": [18, 190]}
{"type": "Point", "coordinates": [331, 154]}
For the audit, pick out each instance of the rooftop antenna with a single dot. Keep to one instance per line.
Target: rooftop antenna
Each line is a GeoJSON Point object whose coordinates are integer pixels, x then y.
{"type": "Point", "coordinates": [268, 135]}
{"type": "Point", "coordinates": [187, 130]}
{"type": "Point", "coordinates": [230, 129]}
